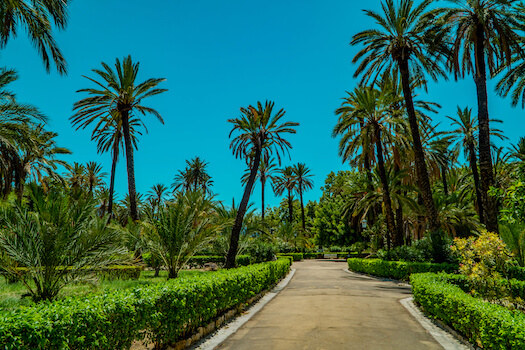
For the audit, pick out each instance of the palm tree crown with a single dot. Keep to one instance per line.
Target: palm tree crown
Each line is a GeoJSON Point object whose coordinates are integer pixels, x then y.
{"type": "Point", "coordinates": [116, 98]}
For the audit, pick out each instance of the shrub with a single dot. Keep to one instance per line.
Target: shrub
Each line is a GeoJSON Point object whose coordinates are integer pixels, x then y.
{"type": "Point", "coordinates": [400, 270]}
{"type": "Point", "coordinates": [261, 251]}
{"type": "Point", "coordinates": [61, 241]}
{"type": "Point", "coordinates": [295, 256]}
{"type": "Point", "coordinates": [287, 257]}
{"type": "Point", "coordinates": [182, 228]}
{"type": "Point", "coordinates": [482, 260]}
{"type": "Point", "coordinates": [492, 326]}
{"type": "Point", "coordinates": [162, 313]}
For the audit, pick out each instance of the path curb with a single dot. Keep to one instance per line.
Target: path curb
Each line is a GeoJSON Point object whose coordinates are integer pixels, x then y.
{"type": "Point", "coordinates": [230, 328]}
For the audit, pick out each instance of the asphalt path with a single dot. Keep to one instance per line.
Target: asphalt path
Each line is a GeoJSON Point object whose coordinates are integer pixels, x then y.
{"type": "Point", "coordinates": [324, 307]}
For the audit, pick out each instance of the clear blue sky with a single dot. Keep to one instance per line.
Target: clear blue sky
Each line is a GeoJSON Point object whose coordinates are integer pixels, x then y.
{"type": "Point", "coordinates": [217, 57]}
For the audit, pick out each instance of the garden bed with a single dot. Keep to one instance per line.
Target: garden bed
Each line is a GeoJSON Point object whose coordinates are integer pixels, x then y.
{"type": "Point", "coordinates": [162, 314]}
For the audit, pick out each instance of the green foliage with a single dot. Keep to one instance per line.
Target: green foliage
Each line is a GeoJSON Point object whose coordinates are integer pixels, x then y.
{"type": "Point", "coordinates": [261, 251]}
{"type": "Point", "coordinates": [483, 260]}
{"type": "Point", "coordinates": [295, 256]}
{"type": "Point", "coordinates": [492, 326]}
{"type": "Point", "coordinates": [420, 251]}
{"type": "Point", "coordinates": [513, 234]}
{"type": "Point", "coordinates": [399, 270]}
{"type": "Point", "coordinates": [183, 227]}
{"type": "Point", "coordinates": [329, 226]}
{"type": "Point", "coordinates": [162, 313]}
{"type": "Point", "coordinates": [59, 242]}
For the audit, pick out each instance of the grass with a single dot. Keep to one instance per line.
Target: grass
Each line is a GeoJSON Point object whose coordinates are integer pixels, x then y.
{"type": "Point", "coordinates": [12, 294]}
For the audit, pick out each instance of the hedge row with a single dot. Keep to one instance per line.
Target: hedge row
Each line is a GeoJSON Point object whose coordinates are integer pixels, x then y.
{"type": "Point", "coordinates": [295, 256]}
{"type": "Point", "coordinates": [320, 255]}
{"type": "Point", "coordinates": [197, 260]}
{"type": "Point", "coordinates": [492, 326]}
{"type": "Point", "coordinates": [399, 270]}
{"type": "Point", "coordinates": [110, 272]}
{"type": "Point", "coordinates": [161, 314]}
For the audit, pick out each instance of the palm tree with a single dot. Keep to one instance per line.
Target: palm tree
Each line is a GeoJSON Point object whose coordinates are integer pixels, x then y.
{"type": "Point", "coordinates": [118, 97]}
{"type": "Point", "coordinates": [518, 150]}
{"type": "Point", "coordinates": [407, 41]}
{"type": "Point", "coordinates": [286, 181]}
{"type": "Point", "coordinates": [94, 176]}
{"type": "Point", "coordinates": [76, 177]}
{"type": "Point", "coordinates": [260, 136]}
{"type": "Point", "coordinates": [484, 36]}
{"type": "Point", "coordinates": [199, 175]}
{"type": "Point", "coordinates": [304, 183]}
{"type": "Point", "coordinates": [182, 181]}
{"type": "Point", "coordinates": [108, 135]}
{"type": "Point", "coordinates": [157, 195]}
{"type": "Point", "coordinates": [265, 173]}
{"type": "Point", "coordinates": [35, 16]}
{"type": "Point", "coordinates": [365, 118]}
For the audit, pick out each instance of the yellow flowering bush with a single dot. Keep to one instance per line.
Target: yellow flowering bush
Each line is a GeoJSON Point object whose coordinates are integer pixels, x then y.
{"type": "Point", "coordinates": [482, 259]}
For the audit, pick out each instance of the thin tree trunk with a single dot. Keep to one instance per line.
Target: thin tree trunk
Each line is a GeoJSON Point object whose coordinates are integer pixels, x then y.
{"type": "Point", "coordinates": [130, 166]}
{"type": "Point", "coordinates": [386, 191]}
{"type": "Point", "coordinates": [112, 178]}
{"type": "Point", "coordinates": [474, 168]}
{"type": "Point", "coordinates": [419, 156]}
{"type": "Point", "coordinates": [237, 226]}
{"type": "Point", "coordinates": [302, 207]}
{"type": "Point", "coordinates": [290, 206]}
{"type": "Point", "coordinates": [400, 232]}
{"type": "Point", "coordinates": [262, 199]}
{"type": "Point", "coordinates": [485, 159]}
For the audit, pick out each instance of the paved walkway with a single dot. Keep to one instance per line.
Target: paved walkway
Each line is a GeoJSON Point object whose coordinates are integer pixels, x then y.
{"type": "Point", "coordinates": [325, 307]}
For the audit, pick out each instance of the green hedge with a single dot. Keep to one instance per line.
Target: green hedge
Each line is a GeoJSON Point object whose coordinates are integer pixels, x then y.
{"type": "Point", "coordinates": [162, 313]}
{"type": "Point", "coordinates": [287, 257]}
{"type": "Point", "coordinates": [492, 326]}
{"type": "Point", "coordinates": [198, 260]}
{"type": "Point", "coordinates": [295, 256]}
{"type": "Point", "coordinates": [516, 272]}
{"type": "Point", "coordinates": [320, 255]}
{"type": "Point", "coordinates": [399, 270]}
{"type": "Point", "coordinates": [124, 272]}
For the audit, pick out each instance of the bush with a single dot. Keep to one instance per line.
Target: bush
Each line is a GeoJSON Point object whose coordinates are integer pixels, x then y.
{"type": "Point", "coordinates": [399, 270]}
{"type": "Point", "coordinates": [491, 326]}
{"type": "Point", "coordinates": [261, 251]}
{"type": "Point", "coordinates": [162, 313]}
{"type": "Point", "coordinates": [287, 257]}
{"type": "Point", "coordinates": [295, 256]}
{"type": "Point", "coordinates": [199, 261]}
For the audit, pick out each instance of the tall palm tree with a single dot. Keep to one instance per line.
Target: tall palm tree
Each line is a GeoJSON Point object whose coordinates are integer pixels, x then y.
{"type": "Point", "coordinates": [260, 136]}
{"type": "Point", "coordinates": [406, 41]}
{"type": "Point", "coordinates": [266, 173]}
{"type": "Point", "coordinates": [76, 177]}
{"type": "Point", "coordinates": [484, 36]}
{"type": "Point", "coordinates": [286, 181]}
{"type": "Point", "coordinates": [199, 174]}
{"type": "Point", "coordinates": [35, 17]}
{"type": "Point", "coordinates": [182, 180]}
{"type": "Point", "coordinates": [109, 137]}
{"type": "Point", "coordinates": [304, 182]}
{"type": "Point", "coordinates": [117, 97]}
{"type": "Point", "coordinates": [365, 115]}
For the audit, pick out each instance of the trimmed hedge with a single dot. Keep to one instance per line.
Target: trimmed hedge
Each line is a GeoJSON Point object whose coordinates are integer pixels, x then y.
{"type": "Point", "coordinates": [295, 256]}
{"type": "Point", "coordinates": [162, 313]}
{"type": "Point", "coordinates": [320, 255]}
{"type": "Point", "coordinates": [123, 272]}
{"type": "Point", "coordinates": [492, 326]}
{"type": "Point", "coordinates": [287, 257]}
{"type": "Point", "coordinates": [399, 270]}
{"type": "Point", "coordinates": [198, 261]}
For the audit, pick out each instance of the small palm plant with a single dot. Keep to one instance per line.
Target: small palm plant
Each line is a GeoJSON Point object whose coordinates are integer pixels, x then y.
{"type": "Point", "coordinates": [182, 228]}
{"type": "Point", "coordinates": [59, 242]}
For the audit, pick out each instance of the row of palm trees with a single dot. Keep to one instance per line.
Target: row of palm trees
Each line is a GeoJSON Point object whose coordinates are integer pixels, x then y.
{"type": "Point", "coordinates": [414, 42]}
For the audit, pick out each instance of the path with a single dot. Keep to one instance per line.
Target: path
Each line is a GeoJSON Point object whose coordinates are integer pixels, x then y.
{"type": "Point", "coordinates": [325, 307]}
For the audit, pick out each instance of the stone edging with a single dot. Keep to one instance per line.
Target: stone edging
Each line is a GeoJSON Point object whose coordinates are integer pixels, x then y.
{"type": "Point", "coordinates": [196, 342]}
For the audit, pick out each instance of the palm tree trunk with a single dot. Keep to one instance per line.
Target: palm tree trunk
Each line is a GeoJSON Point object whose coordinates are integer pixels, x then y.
{"type": "Point", "coordinates": [237, 226]}
{"type": "Point", "coordinates": [444, 180]}
{"type": "Point", "coordinates": [112, 176]}
{"type": "Point", "coordinates": [130, 167]}
{"type": "Point", "coordinates": [262, 199]}
{"type": "Point", "coordinates": [423, 179]}
{"type": "Point", "coordinates": [386, 191]}
{"type": "Point", "coordinates": [474, 168]}
{"type": "Point", "coordinates": [302, 207]}
{"type": "Point", "coordinates": [290, 206]}
{"type": "Point", "coordinates": [485, 159]}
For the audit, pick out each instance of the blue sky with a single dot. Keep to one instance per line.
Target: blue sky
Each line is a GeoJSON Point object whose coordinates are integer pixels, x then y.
{"type": "Point", "coordinates": [217, 57]}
